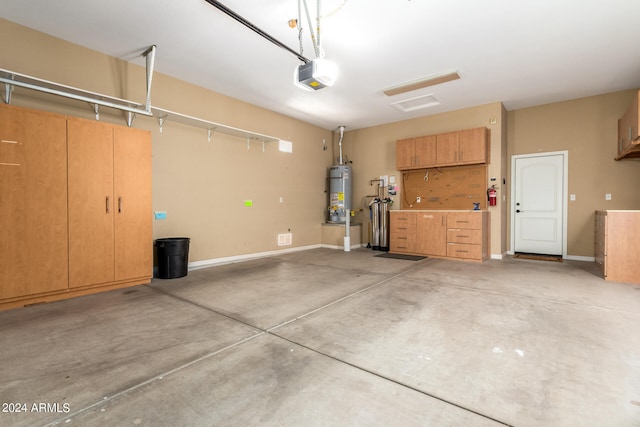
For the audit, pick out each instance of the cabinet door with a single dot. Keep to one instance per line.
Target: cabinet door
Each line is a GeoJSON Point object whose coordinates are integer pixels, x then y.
{"type": "Point", "coordinates": [91, 202]}
{"type": "Point", "coordinates": [405, 154]}
{"type": "Point", "coordinates": [33, 202]}
{"type": "Point", "coordinates": [432, 233]}
{"type": "Point", "coordinates": [447, 148]}
{"type": "Point", "coordinates": [425, 151]}
{"type": "Point", "coordinates": [473, 146]}
{"type": "Point", "coordinates": [133, 226]}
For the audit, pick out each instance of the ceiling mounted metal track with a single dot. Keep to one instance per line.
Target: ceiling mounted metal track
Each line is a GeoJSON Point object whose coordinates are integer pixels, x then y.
{"type": "Point", "coordinates": [256, 30]}
{"type": "Point", "coordinates": [11, 79]}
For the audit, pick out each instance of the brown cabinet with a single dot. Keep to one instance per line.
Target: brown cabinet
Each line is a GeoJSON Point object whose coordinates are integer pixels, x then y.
{"type": "Point", "coordinates": [628, 137]}
{"type": "Point", "coordinates": [467, 235]}
{"type": "Point", "coordinates": [431, 233]}
{"type": "Point", "coordinates": [464, 147]}
{"type": "Point", "coordinates": [110, 203]}
{"type": "Point", "coordinates": [451, 234]}
{"type": "Point", "coordinates": [33, 202]}
{"type": "Point", "coordinates": [76, 206]}
{"type": "Point", "coordinates": [415, 153]}
{"type": "Point", "coordinates": [616, 245]}
{"type": "Point", "coordinates": [402, 232]}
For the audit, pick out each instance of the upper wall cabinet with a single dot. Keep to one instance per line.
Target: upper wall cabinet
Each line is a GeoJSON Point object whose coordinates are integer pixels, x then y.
{"type": "Point", "coordinates": [464, 147]}
{"type": "Point", "coordinates": [628, 138]}
{"type": "Point", "coordinates": [416, 153]}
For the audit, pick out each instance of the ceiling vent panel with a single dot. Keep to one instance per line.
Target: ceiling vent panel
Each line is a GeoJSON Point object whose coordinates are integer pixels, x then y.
{"type": "Point", "coordinates": [417, 103]}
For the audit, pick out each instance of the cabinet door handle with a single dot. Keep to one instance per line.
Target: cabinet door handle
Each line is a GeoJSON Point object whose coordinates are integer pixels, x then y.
{"type": "Point", "coordinates": [107, 207]}
{"type": "Point", "coordinates": [443, 223]}
{"type": "Point", "coordinates": [119, 204]}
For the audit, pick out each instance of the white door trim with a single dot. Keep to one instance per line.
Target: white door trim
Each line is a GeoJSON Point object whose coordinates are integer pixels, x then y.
{"type": "Point", "coordinates": [565, 189]}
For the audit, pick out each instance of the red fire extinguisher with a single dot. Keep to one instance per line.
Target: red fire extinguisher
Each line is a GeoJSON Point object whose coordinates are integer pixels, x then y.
{"type": "Point", "coordinates": [492, 196]}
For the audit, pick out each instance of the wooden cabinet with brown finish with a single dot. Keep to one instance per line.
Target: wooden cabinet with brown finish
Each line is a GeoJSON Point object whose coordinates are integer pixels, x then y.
{"type": "Point", "coordinates": [431, 229]}
{"type": "Point", "coordinates": [415, 153]}
{"type": "Point", "coordinates": [76, 206]}
{"type": "Point", "coordinates": [445, 234]}
{"type": "Point", "coordinates": [110, 203]}
{"type": "Point", "coordinates": [628, 133]}
{"type": "Point", "coordinates": [464, 147]}
{"type": "Point", "coordinates": [33, 202]}
{"type": "Point", "coordinates": [402, 231]}
{"type": "Point", "coordinates": [616, 245]}
{"type": "Point", "coordinates": [467, 235]}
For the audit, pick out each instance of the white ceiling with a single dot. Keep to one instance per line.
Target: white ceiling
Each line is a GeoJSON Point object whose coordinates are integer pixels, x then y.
{"type": "Point", "coordinates": [521, 52]}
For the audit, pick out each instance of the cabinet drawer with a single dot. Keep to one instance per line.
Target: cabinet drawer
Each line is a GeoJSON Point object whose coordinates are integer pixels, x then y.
{"type": "Point", "coordinates": [464, 220]}
{"type": "Point", "coordinates": [462, 250]}
{"type": "Point", "coordinates": [464, 236]}
{"type": "Point", "coordinates": [403, 222]}
{"type": "Point", "coordinates": [402, 243]}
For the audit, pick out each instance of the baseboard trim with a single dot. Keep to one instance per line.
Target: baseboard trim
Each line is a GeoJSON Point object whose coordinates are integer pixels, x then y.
{"type": "Point", "coordinates": [246, 257]}
{"type": "Point", "coordinates": [581, 258]}
{"type": "Point", "coordinates": [353, 246]}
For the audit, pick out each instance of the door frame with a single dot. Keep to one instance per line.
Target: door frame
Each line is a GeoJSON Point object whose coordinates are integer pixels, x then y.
{"type": "Point", "coordinates": [565, 190]}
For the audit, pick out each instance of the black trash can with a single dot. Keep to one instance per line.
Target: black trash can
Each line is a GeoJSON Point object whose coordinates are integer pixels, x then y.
{"type": "Point", "coordinates": [173, 257]}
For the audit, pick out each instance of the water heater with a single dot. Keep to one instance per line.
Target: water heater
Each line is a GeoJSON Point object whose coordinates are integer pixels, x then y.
{"type": "Point", "coordinates": [339, 193]}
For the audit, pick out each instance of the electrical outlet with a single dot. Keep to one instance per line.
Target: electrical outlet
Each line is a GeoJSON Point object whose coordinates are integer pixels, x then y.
{"type": "Point", "coordinates": [607, 196]}
{"type": "Point", "coordinates": [418, 199]}
{"type": "Point", "coordinates": [572, 197]}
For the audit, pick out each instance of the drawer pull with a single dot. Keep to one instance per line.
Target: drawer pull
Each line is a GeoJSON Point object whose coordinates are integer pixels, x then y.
{"type": "Point", "coordinates": [464, 222]}
{"type": "Point", "coordinates": [459, 251]}
{"type": "Point", "coordinates": [401, 238]}
{"type": "Point", "coordinates": [460, 235]}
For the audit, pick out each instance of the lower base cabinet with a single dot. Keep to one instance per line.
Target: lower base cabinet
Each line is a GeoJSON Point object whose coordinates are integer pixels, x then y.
{"type": "Point", "coordinates": [617, 234]}
{"type": "Point", "coordinates": [460, 235]}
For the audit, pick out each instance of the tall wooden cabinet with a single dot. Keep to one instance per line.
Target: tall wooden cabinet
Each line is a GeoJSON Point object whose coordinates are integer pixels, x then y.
{"type": "Point", "coordinates": [33, 202]}
{"type": "Point", "coordinates": [109, 216]}
{"type": "Point", "coordinates": [75, 199]}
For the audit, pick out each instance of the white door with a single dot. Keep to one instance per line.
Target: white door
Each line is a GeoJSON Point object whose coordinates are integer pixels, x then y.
{"type": "Point", "coordinates": [538, 204]}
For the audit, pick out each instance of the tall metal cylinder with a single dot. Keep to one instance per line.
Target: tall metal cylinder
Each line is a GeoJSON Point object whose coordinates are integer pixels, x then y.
{"type": "Point", "coordinates": [374, 210]}
{"type": "Point", "coordinates": [384, 224]}
{"type": "Point", "coordinates": [339, 193]}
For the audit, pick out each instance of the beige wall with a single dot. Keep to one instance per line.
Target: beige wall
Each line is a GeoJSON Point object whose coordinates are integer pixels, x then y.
{"type": "Point", "coordinates": [587, 129]}
{"type": "Point", "coordinates": [372, 151]}
{"type": "Point", "coordinates": [201, 185]}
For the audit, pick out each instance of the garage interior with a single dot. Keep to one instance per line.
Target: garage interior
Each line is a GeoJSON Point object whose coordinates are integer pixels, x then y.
{"type": "Point", "coordinates": [287, 315]}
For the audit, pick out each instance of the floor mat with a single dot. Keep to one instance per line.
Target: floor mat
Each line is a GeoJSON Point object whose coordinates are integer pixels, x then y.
{"type": "Point", "coordinates": [539, 257]}
{"type": "Point", "coordinates": [401, 256]}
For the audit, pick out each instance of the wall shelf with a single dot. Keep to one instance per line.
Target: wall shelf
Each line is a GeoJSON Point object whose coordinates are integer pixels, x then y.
{"type": "Point", "coordinates": [163, 115]}
{"type": "Point", "coordinates": [131, 108]}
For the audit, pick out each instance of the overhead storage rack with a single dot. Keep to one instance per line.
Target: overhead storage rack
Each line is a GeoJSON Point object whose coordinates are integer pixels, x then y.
{"type": "Point", "coordinates": [131, 108]}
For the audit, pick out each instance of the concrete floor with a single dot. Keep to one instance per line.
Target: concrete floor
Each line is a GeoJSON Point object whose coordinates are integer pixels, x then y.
{"type": "Point", "coordinates": [333, 338]}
